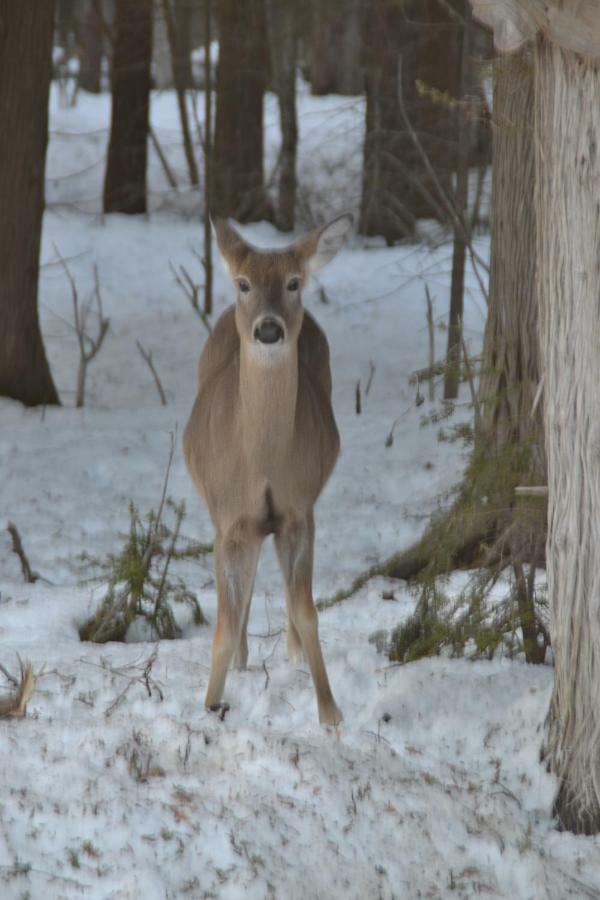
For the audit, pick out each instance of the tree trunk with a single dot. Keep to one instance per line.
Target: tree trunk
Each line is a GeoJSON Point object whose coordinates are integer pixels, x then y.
{"type": "Point", "coordinates": [511, 370]}
{"type": "Point", "coordinates": [26, 33]}
{"type": "Point", "coordinates": [207, 259]}
{"type": "Point", "coordinates": [125, 178]}
{"type": "Point", "coordinates": [413, 55]}
{"type": "Point", "coordinates": [182, 62]}
{"type": "Point", "coordinates": [567, 123]}
{"type": "Point", "coordinates": [238, 188]}
{"type": "Point", "coordinates": [461, 202]}
{"type": "Point", "coordinates": [90, 56]}
{"type": "Point", "coordinates": [282, 23]}
{"type": "Point", "coordinates": [336, 47]}
{"type": "Point", "coordinates": [179, 80]}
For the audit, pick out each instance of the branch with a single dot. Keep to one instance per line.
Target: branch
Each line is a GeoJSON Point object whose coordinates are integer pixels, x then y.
{"type": "Point", "coordinates": [147, 356]}
{"type": "Point", "coordinates": [191, 290]}
{"type": "Point", "coordinates": [17, 546]}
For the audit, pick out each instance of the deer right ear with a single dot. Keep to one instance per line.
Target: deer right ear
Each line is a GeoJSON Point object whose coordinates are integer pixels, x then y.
{"type": "Point", "coordinates": [232, 247]}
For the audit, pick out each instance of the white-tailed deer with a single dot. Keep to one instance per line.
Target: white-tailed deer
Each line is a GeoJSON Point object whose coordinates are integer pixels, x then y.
{"type": "Point", "coordinates": [262, 441]}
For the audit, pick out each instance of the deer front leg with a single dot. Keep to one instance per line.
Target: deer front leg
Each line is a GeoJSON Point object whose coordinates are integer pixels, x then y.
{"type": "Point", "coordinates": [236, 557]}
{"type": "Point", "coordinates": [294, 544]}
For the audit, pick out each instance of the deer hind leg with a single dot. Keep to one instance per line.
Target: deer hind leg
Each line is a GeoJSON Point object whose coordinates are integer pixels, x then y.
{"type": "Point", "coordinates": [294, 543]}
{"type": "Point", "coordinates": [236, 557]}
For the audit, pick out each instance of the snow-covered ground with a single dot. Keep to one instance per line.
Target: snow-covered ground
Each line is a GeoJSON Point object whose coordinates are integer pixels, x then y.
{"type": "Point", "coordinates": [432, 785]}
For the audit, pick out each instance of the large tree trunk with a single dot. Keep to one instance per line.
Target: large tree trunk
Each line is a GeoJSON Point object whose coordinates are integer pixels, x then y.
{"type": "Point", "coordinates": [26, 32]}
{"type": "Point", "coordinates": [90, 55]}
{"type": "Point", "coordinates": [125, 178]}
{"type": "Point", "coordinates": [567, 121]}
{"type": "Point", "coordinates": [282, 21]}
{"type": "Point", "coordinates": [238, 188]}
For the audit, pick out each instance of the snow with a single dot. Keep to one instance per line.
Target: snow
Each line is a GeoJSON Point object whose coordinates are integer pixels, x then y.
{"type": "Point", "coordinates": [118, 787]}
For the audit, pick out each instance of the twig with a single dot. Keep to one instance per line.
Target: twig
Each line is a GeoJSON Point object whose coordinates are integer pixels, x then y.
{"type": "Point", "coordinates": [455, 216]}
{"type": "Point", "coordinates": [372, 368]}
{"type": "Point", "coordinates": [17, 546]}
{"type": "Point", "coordinates": [147, 356]}
{"type": "Point", "coordinates": [191, 290]}
{"type": "Point", "coordinates": [531, 490]}
{"type": "Point", "coordinates": [357, 401]}
{"type": "Point", "coordinates": [470, 379]}
{"type": "Point", "coordinates": [267, 676]}
{"type": "Point", "coordinates": [163, 159]}
{"type": "Point", "coordinates": [431, 341]}
{"type": "Point", "coordinates": [80, 316]}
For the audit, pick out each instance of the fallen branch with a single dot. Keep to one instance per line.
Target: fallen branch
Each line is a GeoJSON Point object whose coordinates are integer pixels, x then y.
{"type": "Point", "coordinates": [17, 546]}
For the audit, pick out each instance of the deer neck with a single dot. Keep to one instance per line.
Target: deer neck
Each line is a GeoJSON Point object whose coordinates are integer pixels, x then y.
{"type": "Point", "coordinates": [268, 394]}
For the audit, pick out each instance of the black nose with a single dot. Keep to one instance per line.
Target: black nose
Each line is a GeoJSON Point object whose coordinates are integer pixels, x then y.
{"type": "Point", "coordinates": [268, 331]}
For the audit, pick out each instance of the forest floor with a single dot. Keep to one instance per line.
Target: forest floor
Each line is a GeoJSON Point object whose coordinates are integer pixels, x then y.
{"type": "Point", "coordinates": [432, 785]}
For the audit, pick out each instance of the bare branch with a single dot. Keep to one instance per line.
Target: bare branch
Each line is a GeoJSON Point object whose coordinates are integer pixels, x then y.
{"type": "Point", "coordinates": [431, 341]}
{"type": "Point", "coordinates": [147, 356]}
{"type": "Point", "coordinates": [86, 354]}
{"type": "Point", "coordinates": [191, 291]}
{"type": "Point", "coordinates": [17, 546]}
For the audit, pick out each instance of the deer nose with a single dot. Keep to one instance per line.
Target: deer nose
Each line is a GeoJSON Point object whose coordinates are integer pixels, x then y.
{"type": "Point", "coordinates": [268, 331]}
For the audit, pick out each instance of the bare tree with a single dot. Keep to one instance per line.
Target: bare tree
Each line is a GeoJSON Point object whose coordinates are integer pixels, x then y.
{"type": "Point", "coordinates": [283, 37]}
{"type": "Point", "coordinates": [26, 32]}
{"type": "Point", "coordinates": [237, 170]}
{"type": "Point", "coordinates": [125, 178]}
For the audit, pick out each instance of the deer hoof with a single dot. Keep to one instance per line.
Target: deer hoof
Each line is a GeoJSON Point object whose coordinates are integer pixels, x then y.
{"type": "Point", "coordinates": [330, 714]}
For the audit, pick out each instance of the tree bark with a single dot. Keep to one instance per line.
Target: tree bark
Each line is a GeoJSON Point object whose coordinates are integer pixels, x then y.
{"type": "Point", "coordinates": [125, 178]}
{"type": "Point", "coordinates": [26, 33]}
{"type": "Point", "coordinates": [282, 22]}
{"type": "Point", "coordinates": [238, 187]}
{"type": "Point", "coordinates": [567, 123]}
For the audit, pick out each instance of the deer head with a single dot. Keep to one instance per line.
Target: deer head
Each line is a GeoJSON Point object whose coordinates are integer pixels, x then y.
{"type": "Point", "coordinates": [269, 283]}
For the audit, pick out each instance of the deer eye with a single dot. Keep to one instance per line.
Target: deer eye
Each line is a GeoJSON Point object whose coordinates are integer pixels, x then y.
{"type": "Point", "coordinates": [243, 285]}
{"type": "Point", "coordinates": [293, 284]}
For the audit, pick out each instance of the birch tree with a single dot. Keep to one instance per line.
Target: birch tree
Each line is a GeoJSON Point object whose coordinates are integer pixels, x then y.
{"type": "Point", "coordinates": [566, 37]}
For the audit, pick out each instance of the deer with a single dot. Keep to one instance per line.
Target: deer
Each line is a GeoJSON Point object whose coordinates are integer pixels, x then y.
{"type": "Point", "coordinates": [262, 441]}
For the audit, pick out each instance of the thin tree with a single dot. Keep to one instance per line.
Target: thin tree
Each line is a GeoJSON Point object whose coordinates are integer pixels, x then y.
{"type": "Point", "coordinates": [567, 136]}
{"type": "Point", "coordinates": [461, 198]}
{"type": "Point", "coordinates": [207, 258]}
{"type": "Point", "coordinates": [237, 185]}
{"type": "Point", "coordinates": [90, 44]}
{"type": "Point", "coordinates": [180, 81]}
{"type": "Point", "coordinates": [26, 34]}
{"type": "Point", "coordinates": [125, 177]}
{"type": "Point", "coordinates": [283, 38]}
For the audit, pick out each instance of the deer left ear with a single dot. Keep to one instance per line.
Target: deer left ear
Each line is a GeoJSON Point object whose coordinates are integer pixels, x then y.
{"type": "Point", "coordinates": [232, 247]}
{"type": "Point", "coordinates": [321, 245]}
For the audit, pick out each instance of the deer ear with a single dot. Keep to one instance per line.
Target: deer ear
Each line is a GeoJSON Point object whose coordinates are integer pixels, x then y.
{"type": "Point", "coordinates": [232, 247]}
{"type": "Point", "coordinates": [321, 245]}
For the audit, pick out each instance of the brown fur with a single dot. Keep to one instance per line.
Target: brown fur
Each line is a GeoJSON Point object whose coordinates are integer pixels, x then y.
{"type": "Point", "coordinates": [260, 445]}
